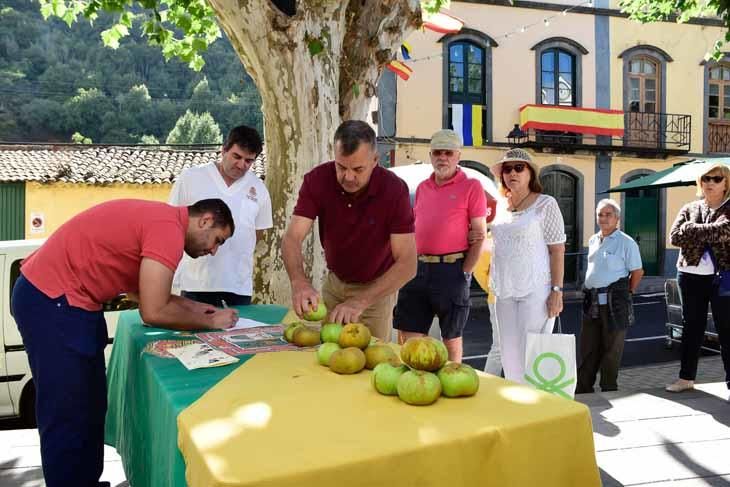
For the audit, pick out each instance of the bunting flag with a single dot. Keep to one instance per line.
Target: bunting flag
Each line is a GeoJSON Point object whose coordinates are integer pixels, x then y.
{"type": "Point", "coordinates": [443, 23]}
{"type": "Point", "coordinates": [399, 68]}
{"type": "Point", "coordinates": [405, 50]}
{"type": "Point", "coordinates": [571, 119]}
{"type": "Point", "coordinates": [466, 121]}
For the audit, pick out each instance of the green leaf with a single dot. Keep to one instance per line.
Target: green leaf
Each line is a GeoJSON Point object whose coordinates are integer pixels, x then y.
{"type": "Point", "coordinates": [46, 10]}
{"type": "Point", "coordinates": [111, 36]}
{"type": "Point", "coordinates": [197, 63]}
{"type": "Point", "coordinates": [126, 19]}
{"type": "Point", "coordinates": [69, 17]}
{"type": "Point", "coordinates": [315, 47]}
{"type": "Point", "coordinates": [199, 45]}
{"type": "Point", "coordinates": [59, 8]}
{"type": "Point", "coordinates": [356, 90]}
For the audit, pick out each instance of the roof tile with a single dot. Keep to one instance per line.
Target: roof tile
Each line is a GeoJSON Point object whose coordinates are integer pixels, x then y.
{"type": "Point", "coordinates": [104, 165]}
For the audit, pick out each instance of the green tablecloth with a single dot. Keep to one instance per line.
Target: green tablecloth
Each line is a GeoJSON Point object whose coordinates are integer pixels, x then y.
{"type": "Point", "coordinates": [147, 392]}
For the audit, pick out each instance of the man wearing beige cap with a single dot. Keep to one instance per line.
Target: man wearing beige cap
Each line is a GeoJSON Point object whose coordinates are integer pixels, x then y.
{"type": "Point", "coordinates": [447, 206]}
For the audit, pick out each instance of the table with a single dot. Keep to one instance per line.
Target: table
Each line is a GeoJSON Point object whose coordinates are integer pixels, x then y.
{"type": "Point", "coordinates": [279, 419]}
{"type": "Point", "coordinates": [147, 392]}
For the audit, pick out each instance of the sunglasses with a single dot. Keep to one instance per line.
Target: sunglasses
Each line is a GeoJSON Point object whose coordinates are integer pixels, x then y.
{"type": "Point", "coordinates": [440, 152]}
{"type": "Point", "coordinates": [518, 168]}
{"type": "Point", "coordinates": [714, 179]}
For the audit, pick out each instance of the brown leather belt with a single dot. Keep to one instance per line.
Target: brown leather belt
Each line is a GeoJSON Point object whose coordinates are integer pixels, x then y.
{"type": "Point", "coordinates": [439, 259]}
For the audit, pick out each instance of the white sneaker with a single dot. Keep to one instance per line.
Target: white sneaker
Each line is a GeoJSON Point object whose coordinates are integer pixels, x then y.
{"type": "Point", "coordinates": [680, 386]}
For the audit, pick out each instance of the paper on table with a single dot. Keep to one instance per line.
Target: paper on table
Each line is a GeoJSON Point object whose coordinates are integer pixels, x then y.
{"type": "Point", "coordinates": [200, 355]}
{"type": "Point", "coordinates": [246, 323]}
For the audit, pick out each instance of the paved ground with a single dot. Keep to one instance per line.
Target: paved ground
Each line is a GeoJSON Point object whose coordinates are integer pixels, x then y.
{"type": "Point", "coordinates": [643, 435]}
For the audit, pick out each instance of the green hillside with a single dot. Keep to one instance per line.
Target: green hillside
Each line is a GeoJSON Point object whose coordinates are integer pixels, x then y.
{"type": "Point", "coordinates": [57, 81]}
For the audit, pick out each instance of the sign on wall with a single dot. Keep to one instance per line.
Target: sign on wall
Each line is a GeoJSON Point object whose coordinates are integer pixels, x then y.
{"type": "Point", "coordinates": [37, 223]}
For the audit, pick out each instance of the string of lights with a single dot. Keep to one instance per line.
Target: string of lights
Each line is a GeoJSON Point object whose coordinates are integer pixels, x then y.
{"type": "Point", "coordinates": [520, 30]}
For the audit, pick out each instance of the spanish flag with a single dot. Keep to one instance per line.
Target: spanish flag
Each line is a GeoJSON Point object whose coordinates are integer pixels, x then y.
{"type": "Point", "coordinates": [399, 68]}
{"type": "Point", "coordinates": [466, 120]}
{"type": "Point", "coordinates": [443, 23]}
{"type": "Point", "coordinates": [572, 119]}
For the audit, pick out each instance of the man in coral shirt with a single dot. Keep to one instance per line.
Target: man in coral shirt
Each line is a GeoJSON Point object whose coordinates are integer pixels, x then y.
{"type": "Point", "coordinates": [448, 205]}
{"type": "Point", "coordinates": [130, 246]}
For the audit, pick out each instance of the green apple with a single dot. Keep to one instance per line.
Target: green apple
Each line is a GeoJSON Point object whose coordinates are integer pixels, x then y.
{"type": "Point", "coordinates": [316, 314]}
{"type": "Point", "coordinates": [330, 332]}
{"type": "Point", "coordinates": [289, 331]}
{"type": "Point", "coordinates": [325, 351]}
{"type": "Point", "coordinates": [424, 353]}
{"type": "Point", "coordinates": [419, 388]}
{"type": "Point", "coordinates": [379, 353]}
{"type": "Point", "coordinates": [385, 378]}
{"type": "Point", "coordinates": [349, 360]}
{"type": "Point", "coordinates": [458, 380]}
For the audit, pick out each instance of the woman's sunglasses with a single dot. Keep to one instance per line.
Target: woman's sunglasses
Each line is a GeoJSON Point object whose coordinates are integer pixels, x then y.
{"type": "Point", "coordinates": [508, 168]}
{"type": "Point", "coordinates": [714, 179]}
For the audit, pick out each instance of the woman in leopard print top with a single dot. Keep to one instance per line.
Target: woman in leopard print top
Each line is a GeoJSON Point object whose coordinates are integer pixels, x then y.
{"type": "Point", "coordinates": [702, 232]}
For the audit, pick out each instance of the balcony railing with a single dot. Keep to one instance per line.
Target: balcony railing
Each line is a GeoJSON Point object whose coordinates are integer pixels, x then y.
{"type": "Point", "coordinates": [664, 133]}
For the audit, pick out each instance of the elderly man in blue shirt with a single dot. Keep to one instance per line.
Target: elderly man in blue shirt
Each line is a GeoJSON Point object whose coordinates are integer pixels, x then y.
{"type": "Point", "coordinates": [613, 274]}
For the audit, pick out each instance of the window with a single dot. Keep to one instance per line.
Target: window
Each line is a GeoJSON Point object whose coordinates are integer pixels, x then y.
{"type": "Point", "coordinates": [466, 74]}
{"type": "Point", "coordinates": [646, 123]}
{"type": "Point", "coordinates": [558, 63]}
{"type": "Point", "coordinates": [467, 85]}
{"type": "Point", "coordinates": [717, 107]}
{"type": "Point", "coordinates": [557, 78]}
{"type": "Point", "coordinates": [14, 275]}
{"type": "Point", "coordinates": [643, 84]}
{"type": "Point", "coordinates": [718, 100]}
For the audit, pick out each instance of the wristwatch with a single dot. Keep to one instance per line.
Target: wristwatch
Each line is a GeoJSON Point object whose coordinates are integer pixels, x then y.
{"type": "Point", "coordinates": [557, 289]}
{"type": "Point", "coordinates": [467, 275]}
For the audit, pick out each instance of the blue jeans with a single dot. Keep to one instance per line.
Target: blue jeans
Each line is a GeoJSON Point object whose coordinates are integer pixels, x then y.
{"type": "Point", "coordinates": [65, 347]}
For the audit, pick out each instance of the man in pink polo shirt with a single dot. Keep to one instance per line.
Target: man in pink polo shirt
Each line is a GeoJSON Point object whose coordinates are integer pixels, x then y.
{"type": "Point", "coordinates": [447, 206]}
{"type": "Point", "coordinates": [130, 246]}
{"type": "Point", "coordinates": [366, 229]}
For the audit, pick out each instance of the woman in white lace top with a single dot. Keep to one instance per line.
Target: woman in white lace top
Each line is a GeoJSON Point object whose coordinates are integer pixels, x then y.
{"type": "Point", "coordinates": [527, 267]}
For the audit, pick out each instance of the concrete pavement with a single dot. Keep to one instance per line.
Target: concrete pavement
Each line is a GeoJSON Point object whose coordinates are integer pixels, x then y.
{"type": "Point", "coordinates": [643, 435]}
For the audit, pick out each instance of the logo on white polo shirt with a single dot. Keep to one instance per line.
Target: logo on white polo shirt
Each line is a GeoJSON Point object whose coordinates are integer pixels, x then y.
{"type": "Point", "coordinates": [252, 194]}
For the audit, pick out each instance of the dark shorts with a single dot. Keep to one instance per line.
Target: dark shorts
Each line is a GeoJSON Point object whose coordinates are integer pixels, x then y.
{"type": "Point", "coordinates": [217, 298]}
{"type": "Point", "coordinates": [437, 290]}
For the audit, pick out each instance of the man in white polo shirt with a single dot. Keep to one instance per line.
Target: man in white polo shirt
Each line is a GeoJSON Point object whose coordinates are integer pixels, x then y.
{"type": "Point", "coordinates": [227, 277]}
{"type": "Point", "coordinates": [447, 206]}
{"type": "Point", "coordinates": [613, 274]}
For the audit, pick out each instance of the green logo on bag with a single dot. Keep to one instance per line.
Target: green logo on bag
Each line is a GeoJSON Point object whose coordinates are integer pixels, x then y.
{"type": "Point", "coordinates": [553, 386]}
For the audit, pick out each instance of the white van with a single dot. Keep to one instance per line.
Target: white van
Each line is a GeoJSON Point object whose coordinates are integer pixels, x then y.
{"type": "Point", "coordinates": [17, 394]}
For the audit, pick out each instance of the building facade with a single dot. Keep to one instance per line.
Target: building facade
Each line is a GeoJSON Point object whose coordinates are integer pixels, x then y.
{"type": "Point", "coordinates": [628, 100]}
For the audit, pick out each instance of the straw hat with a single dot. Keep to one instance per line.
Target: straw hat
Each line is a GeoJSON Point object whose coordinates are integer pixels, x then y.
{"type": "Point", "coordinates": [513, 155]}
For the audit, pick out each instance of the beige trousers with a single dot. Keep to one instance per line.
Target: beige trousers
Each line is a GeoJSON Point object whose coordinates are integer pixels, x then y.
{"type": "Point", "coordinates": [378, 317]}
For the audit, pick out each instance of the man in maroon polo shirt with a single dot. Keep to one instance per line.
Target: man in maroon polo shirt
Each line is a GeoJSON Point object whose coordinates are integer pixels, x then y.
{"type": "Point", "coordinates": [366, 228]}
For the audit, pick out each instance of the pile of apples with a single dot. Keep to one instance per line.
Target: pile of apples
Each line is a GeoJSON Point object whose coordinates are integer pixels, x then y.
{"type": "Point", "coordinates": [425, 376]}
{"type": "Point", "coordinates": [420, 379]}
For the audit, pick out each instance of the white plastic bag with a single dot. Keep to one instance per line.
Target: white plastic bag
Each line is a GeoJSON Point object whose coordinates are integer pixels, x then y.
{"type": "Point", "coordinates": [550, 363]}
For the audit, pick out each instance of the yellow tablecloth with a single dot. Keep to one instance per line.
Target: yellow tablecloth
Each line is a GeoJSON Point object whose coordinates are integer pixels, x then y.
{"type": "Point", "coordinates": [282, 420]}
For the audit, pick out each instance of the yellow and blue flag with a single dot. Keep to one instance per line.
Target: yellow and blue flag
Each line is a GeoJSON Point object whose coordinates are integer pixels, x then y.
{"type": "Point", "coordinates": [466, 120]}
{"type": "Point", "coordinates": [405, 50]}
